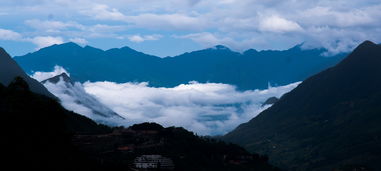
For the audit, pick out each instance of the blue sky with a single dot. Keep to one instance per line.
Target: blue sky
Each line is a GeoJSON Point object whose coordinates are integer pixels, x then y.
{"type": "Point", "coordinates": [172, 27]}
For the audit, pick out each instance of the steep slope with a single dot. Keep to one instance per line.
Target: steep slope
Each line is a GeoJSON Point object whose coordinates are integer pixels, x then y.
{"type": "Point", "coordinates": [63, 87]}
{"type": "Point", "coordinates": [249, 70]}
{"type": "Point", "coordinates": [330, 120]}
{"type": "Point", "coordinates": [9, 70]}
{"type": "Point", "coordinates": [36, 130]}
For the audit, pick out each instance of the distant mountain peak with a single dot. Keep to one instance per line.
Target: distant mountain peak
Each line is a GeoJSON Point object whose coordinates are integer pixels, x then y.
{"type": "Point", "coordinates": [68, 44]}
{"type": "Point", "coordinates": [124, 49]}
{"type": "Point", "coordinates": [250, 52]}
{"type": "Point", "coordinates": [366, 45]}
{"type": "Point", "coordinates": [128, 49]}
{"type": "Point", "coordinates": [71, 90]}
{"type": "Point", "coordinates": [220, 47]}
{"type": "Point", "coordinates": [362, 55]}
{"type": "Point", "coordinates": [57, 78]}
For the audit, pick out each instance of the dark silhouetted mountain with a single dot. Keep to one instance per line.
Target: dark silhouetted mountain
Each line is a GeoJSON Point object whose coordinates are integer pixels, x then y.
{"type": "Point", "coordinates": [249, 70]}
{"type": "Point", "coordinates": [64, 77]}
{"type": "Point", "coordinates": [63, 87]}
{"type": "Point", "coordinates": [331, 120]}
{"type": "Point", "coordinates": [9, 70]}
{"type": "Point", "coordinates": [37, 131]}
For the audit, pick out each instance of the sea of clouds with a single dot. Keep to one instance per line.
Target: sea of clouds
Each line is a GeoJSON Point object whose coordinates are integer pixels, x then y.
{"type": "Point", "coordinates": [205, 108]}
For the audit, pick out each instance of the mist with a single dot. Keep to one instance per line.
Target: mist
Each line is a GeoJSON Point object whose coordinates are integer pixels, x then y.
{"type": "Point", "coordinates": [204, 108]}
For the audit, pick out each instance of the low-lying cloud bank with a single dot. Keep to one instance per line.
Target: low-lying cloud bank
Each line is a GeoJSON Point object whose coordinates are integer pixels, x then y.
{"type": "Point", "coordinates": [205, 108]}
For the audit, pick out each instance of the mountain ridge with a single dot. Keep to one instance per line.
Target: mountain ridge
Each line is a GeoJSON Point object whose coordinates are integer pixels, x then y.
{"type": "Point", "coordinates": [330, 120]}
{"type": "Point", "coordinates": [247, 71]}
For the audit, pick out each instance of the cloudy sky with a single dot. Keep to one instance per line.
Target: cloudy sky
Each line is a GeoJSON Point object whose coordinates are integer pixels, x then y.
{"type": "Point", "coordinates": [171, 27]}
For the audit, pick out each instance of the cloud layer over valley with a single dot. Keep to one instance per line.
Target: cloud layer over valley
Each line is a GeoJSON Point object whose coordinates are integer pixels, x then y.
{"type": "Point", "coordinates": [205, 108]}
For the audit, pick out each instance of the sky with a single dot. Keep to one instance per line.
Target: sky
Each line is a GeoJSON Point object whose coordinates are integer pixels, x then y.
{"type": "Point", "coordinates": [171, 27]}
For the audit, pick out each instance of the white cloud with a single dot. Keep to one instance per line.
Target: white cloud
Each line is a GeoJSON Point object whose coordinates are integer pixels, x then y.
{"type": "Point", "coordinates": [104, 12]}
{"type": "Point", "coordinates": [154, 21]}
{"type": "Point", "coordinates": [208, 39]}
{"type": "Point", "coordinates": [41, 76]}
{"type": "Point", "coordinates": [278, 24]}
{"type": "Point", "coordinates": [137, 38]}
{"type": "Point", "coordinates": [52, 26]}
{"type": "Point", "coordinates": [9, 35]}
{"type": "Point", "coordinates": [166, 21]}
{"type": "Point", "coordinates": [207, 109]}
{"type": "Point", "coordinates": [44, 41]}
{"type": "Point", "coordinates": [354, 17]}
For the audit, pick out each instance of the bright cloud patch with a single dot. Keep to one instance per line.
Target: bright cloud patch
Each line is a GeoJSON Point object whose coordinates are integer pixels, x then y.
{"type": "Point", "coordinates": [9, 35]}
{"type": "Point", "coordinates": [41, 76]}
{"type": "Point", "coordinates": [138, 38]}
{"type": "Point", "coordinates": [278, 24]}
{"type": "Point", "coordinates": [207, 109]}
{"type": "Point", "coordinates": [44, 41]}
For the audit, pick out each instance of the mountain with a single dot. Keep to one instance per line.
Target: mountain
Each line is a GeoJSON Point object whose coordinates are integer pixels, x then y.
{"type": "Point", "coordinates": [36, 130]}
{"type": "Point", "coordinates": [9, 70]}
{"type": "Point", "coordinates": [58, 78]}
{"type": "Point", "coordinates": [248, 70]}
{"type": "Point", "coordinates": [39, 133]}
{"type": "Point", "coordinates": [63, 87]}
{"type": "Point", "coordinates": [331, 120]}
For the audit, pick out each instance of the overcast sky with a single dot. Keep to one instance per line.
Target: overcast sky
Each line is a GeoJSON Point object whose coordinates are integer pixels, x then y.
{"type": "Point", "coordinates": [171, 27]}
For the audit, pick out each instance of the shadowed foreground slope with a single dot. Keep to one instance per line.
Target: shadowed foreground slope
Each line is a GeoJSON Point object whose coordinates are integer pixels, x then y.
{"type": "Point", "coordinates": [331, 120]}
{"type": "Point", "coordinates": [41, 134]}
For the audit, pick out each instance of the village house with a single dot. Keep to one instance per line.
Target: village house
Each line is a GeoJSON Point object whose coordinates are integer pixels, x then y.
{"type": "Point", "coordinates": [147, 162]}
